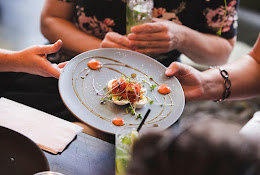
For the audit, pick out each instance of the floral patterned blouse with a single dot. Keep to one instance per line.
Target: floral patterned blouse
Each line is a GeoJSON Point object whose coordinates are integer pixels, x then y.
{"type": "Point", "coordinates": [97, 17]}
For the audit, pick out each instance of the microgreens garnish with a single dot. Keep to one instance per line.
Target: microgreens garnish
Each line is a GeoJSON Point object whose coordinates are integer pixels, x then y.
{"type": "Point", "coordinates": [119, 98]}
{"type": "Point", "coordinates": [152, 87]}
{"type": "Point", "coordinates": [139, 116]}
{"type": "Point", "coordinates": [103, 101]}
{"type": "Point", "coordinates": [132, 110]}
{"type": "Point", "coordinates": [151, 102]}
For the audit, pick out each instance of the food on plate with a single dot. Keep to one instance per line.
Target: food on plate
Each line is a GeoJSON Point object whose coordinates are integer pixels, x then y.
{"type": "Point", "coordinates": [118, 121]}
{"type": "Point", "coordinates": [94, 64]}
{"type": "Point", "coordinates": [132, 91]}
{"type": "Point", "coordinates": [164, 89]}
{"type": "Point", "coordinates": [127, 91]}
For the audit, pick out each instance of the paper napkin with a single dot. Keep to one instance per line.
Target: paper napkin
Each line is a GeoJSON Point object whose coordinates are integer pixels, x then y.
{"type": "Point", "coordinates": [50, 133]}
{"type": "Point", "coordinates": [252, 128]}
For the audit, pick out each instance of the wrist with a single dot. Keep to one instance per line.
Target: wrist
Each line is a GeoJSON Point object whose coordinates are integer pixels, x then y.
{"type": "Point", "coordinates": [213, 84]}
{"type": "Point", "coordinates": [227, 84]}
{"type": "Point", "coordinates": [7, 59]}
{"type": "Point", "coordinates": [182, 35]}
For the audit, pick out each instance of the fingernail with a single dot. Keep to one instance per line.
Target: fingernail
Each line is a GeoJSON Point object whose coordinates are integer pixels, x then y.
{"type": "Point", "coordinates": [168, 72]}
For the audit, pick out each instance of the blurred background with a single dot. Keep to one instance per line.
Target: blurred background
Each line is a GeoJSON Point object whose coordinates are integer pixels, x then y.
{"type": "Point", "coordinates": [20, 28]}
{"type": "Point", "coordinates": [20, 23]}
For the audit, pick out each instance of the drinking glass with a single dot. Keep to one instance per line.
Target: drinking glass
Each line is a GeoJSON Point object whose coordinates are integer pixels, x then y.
{"type": "Point", "coordinates": [124, 141]}
{"type": "Point", "coordinates": [138, 12]}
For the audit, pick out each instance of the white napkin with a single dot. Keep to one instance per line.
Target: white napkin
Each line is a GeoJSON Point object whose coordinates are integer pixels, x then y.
{"type": "Point", "coordinates": [50, 133]}
{"type": "Point", "coordinates": [252, 128]}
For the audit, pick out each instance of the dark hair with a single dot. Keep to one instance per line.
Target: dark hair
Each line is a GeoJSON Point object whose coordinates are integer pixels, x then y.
{"type": "Point", "coordinates": [208, 147]}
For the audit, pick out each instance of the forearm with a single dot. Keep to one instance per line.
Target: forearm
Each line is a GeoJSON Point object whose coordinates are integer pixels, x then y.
{"type": "Point", "coordinates": [73, 39]}
{"type": "Point", "coordinates": [244, 75]}
{"type": "Point", "coordinates": [204, 48]}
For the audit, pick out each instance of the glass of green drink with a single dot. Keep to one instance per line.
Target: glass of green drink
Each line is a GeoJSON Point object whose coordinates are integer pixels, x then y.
{"type": "Point", "coordinates": [124, 141]}
{"type": "Point", "coordinates": [138, 12]}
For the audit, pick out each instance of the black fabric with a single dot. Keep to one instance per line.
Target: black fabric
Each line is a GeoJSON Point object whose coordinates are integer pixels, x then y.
{"type": "Point", "coordinates": [95, 17]}
{"type": "Point", "coordinates": [35, 91]}
{"type": "Point", "coordinates": [102, 16]}
{"type": "Point", "coordinates": [207, 16]}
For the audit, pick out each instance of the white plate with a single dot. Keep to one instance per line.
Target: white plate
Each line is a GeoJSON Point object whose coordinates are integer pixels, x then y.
{"type": "Point", "coordinates": [77, 92]}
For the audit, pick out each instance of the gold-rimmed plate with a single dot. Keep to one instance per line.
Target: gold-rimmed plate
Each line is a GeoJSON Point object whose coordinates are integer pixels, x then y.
{"type": "Point", "coordinates": [78, 86]}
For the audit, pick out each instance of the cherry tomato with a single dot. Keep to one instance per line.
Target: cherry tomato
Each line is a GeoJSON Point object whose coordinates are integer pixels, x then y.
{"type": "Point", "coordinates": [129, 91]}
{"type": "Point", "coordinates": [164, 89]}
{"type": "Point", "coordinates": [119, 86]}
{"type": "Point", "coordinates": [137, 88]}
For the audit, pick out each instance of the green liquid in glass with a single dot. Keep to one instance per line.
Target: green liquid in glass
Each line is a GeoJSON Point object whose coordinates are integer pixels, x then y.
{"type": "Point", "coordinates": [124, 145]}
{"type": "Point", "coordinates": [138, 14]}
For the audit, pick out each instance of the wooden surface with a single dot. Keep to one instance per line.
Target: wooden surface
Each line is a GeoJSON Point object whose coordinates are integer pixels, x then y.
{"type": "Point", "coordinates": [86, 155]}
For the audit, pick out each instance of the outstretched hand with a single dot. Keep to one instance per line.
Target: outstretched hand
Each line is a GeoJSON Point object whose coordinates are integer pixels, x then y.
{"type": "Point", "coordinates": [190, 79]}
{"type": "Point", "coordinates": [33, 60]}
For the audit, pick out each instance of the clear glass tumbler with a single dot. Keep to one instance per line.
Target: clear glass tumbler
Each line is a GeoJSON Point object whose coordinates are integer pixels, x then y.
{"type": "Point", "coordinates": [138, 12]}
{"type": "Point", "coordinates": [124, 141]}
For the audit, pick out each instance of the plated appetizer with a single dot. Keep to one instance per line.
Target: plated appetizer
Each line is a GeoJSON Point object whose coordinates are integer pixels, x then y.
{"type": "Point", "coordinates": [127, 91]}
{"type": "Point", "coordinates": [131, 91]}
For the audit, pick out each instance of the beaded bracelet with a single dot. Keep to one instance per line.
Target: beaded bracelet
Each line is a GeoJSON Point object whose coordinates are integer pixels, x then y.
{"type": "Point", "coordinates": [227, 84]}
